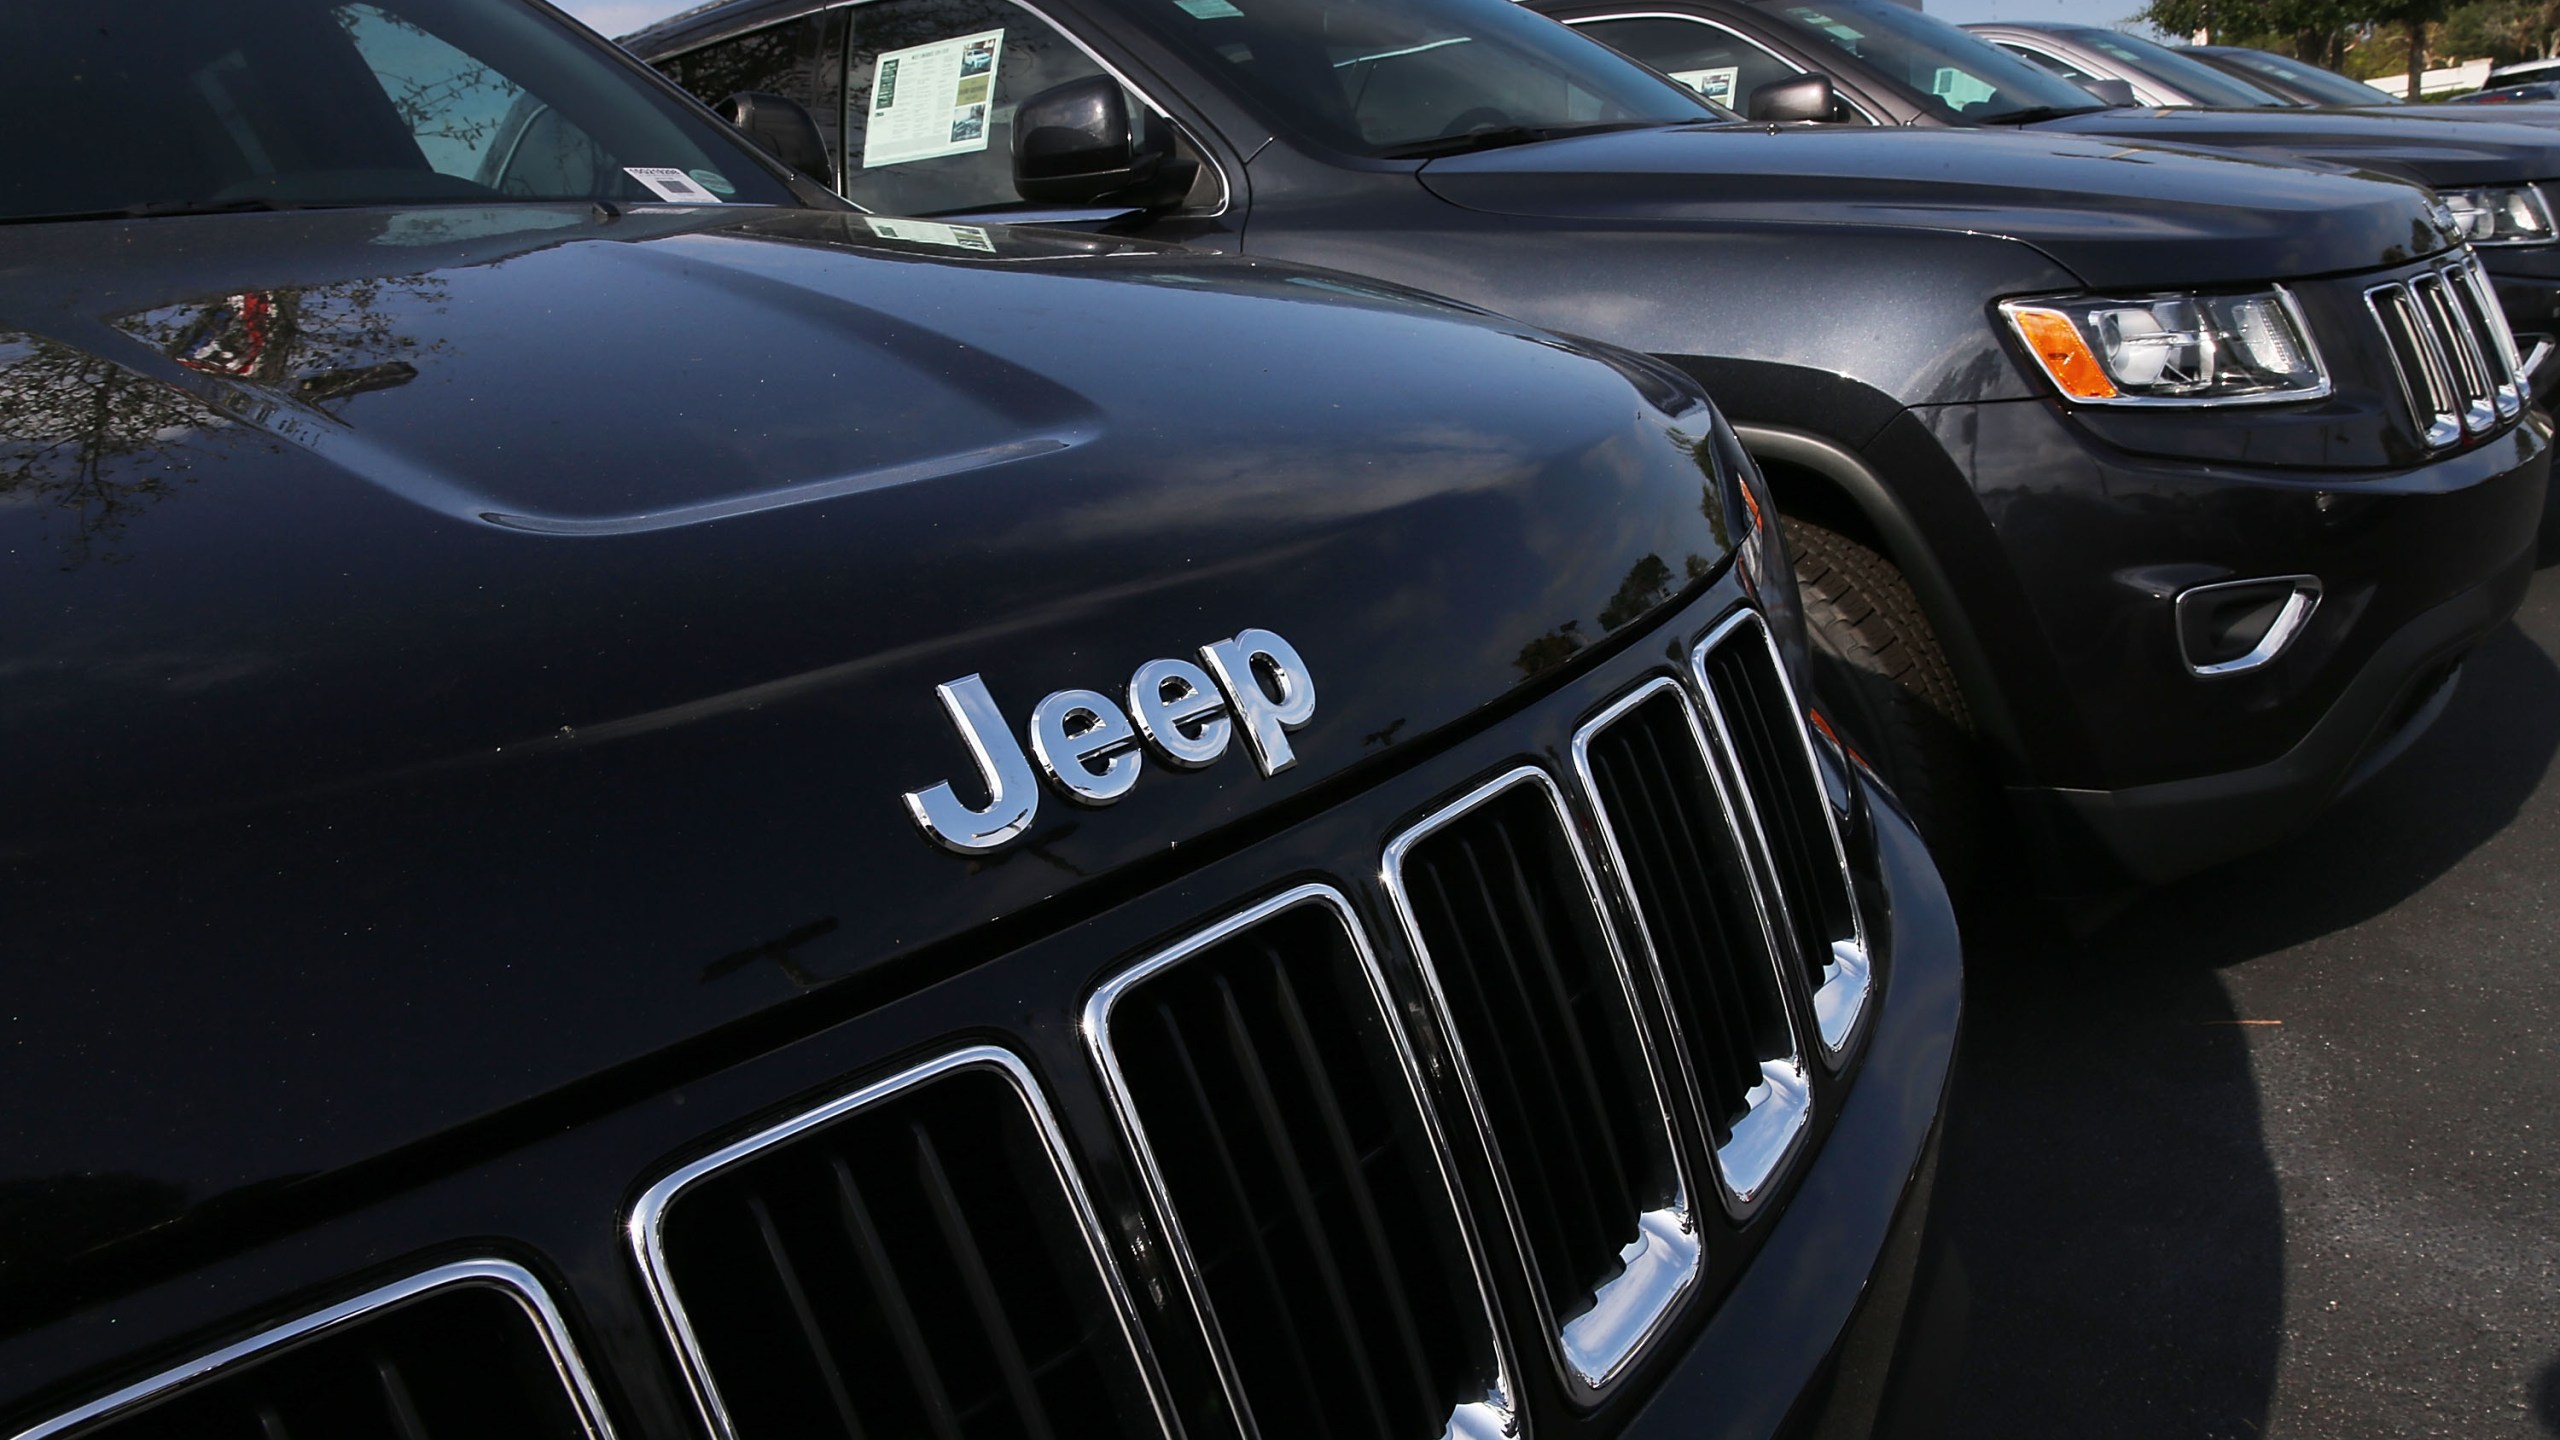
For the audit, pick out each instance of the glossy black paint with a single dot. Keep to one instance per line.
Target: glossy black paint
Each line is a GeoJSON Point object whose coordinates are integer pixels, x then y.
{"type": "Point", "coordinates": [456, 773]}
{"type": "Point", "coordinates": [1835, 288]}
{"type": "Point", "coordinates": [490, 600]}
{"type": "Point", "coordinates": [442, 708]}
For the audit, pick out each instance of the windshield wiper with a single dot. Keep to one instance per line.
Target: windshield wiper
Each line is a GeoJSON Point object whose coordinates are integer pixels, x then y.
{"type": "Point", "coordinates": [2033, 113]}
{"type": "Point", "coordinates": [1498, 137]}
{"type": "Point", "coordinates": [154, 209]}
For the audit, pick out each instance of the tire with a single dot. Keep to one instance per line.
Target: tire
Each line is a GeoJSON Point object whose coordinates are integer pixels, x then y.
{"type": "Point", "coordinates": [2548, 551]}
{"type": "Point", "coordinates": [1877, 663]}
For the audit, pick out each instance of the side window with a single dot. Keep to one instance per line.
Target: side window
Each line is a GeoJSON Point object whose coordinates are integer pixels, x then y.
{"type": "Point", "coordinates": [1709, 59]}
{"type": "Point", "coordinates": [794, 60]}
{"type": "Point", "coordinates": [930, 91]}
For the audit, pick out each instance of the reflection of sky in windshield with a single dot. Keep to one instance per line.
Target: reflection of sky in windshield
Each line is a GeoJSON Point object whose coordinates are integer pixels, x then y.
{"type": "Point", "coordinates": [1408, 50]}
{"type": "Point", "coordinates": [1969, 77]}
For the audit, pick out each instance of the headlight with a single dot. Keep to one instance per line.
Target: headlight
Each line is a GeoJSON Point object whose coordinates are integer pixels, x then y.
{"type": "Point", "coordinates": [2499, 214]}
{"type": "Point", "coordinates": [2174, 349]}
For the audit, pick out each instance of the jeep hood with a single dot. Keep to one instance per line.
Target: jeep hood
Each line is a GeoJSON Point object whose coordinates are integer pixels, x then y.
{"type": "Point", "coordinates": [457, 654]}
{"type": "Point", "coordinates": [2114, 214]}
{"type": "Point", "coordinates": [2428, 151]}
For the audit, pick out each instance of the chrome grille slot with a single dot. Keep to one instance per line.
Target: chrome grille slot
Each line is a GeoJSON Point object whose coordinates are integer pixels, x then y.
{"type": "Point", "coordinates": [469, 1350]}
{"type": "Point", "coordinates": [1279, 1121]}
{"type": "Point", "coordinates": [2470, 367]}
{"type": "Point", "coordinates": [1503, 913]}
{"type": "Point", "coordinates": [2478, 297]}
{"type": "Point", "coordinates": [913, 1259]}
{"type": "Point", "coordinates": [1675, 840]}
{"type": "Point", "coordinates": [1756, 721]}
{"type": "Point", "coordinates": [2450, 346]}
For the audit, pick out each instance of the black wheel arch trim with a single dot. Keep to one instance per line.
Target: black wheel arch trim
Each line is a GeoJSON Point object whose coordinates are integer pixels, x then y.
{"type": "Point", "coordinates": [1910, 551]}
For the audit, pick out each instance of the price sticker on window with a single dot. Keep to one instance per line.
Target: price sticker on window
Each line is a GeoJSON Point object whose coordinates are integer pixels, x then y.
{"type": "Point", "coordinates": [671, 185]}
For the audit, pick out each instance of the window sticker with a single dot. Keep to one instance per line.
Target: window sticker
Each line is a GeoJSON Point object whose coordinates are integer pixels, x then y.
{"type": "Point", "coordinates": [672, 185]}
{"type": "Point", "coordinates": [713, 181]}
{"type": "Point", "coordinates": [929, 232]}
{"type": "Point", "coordinates": [928, 101]}
{"type": "Point", "coordinates": [1716, 84]}
{"type": "Point", "coordinates": [1209, 9]}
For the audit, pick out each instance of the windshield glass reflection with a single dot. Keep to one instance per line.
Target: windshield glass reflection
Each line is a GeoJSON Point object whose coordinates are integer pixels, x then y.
{"type": "Point", "coordinates": [1963, 77]}
{"type": "Point", "coordinates": [1420, 78]}
{"type": "Point", "coordinates": [172, 107]}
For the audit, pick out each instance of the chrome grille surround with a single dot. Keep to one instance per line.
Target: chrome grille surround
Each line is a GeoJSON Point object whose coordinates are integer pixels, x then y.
{"type": "Point", "coordinates": [2451, 349]}
{"type": "Point", "coordinates": [1841, 970]}
{"type": "Point", "coordinates": [1496, 1415]}
{"type": "Point", "coordinates": [504, 1276]}
{"type": "Point", "coordinates": [645, 1228]}
{"type": "Point", "coordinates": [1665, 1255]}
{"type": "Point", "coordinates": [1780, 1110]}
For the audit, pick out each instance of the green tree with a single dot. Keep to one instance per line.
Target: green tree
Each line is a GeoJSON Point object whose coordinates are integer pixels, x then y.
{"type": "Point", "coordinates": [2320, 31]}
{"type": "Point", "coordinates": [2505, 31]}
{"type": "Point", "coordinates": [2410, 18]}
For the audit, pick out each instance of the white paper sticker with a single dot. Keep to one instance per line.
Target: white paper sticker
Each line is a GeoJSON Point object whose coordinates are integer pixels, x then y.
{"type": "Point", "coordinates": [931, 100]}
{"type": "Point", "coordinates": [1716, 84]}
{"type": "Point", "coordinates": [672, 185]}
{"type": "Point", "coordinates": [931, 232]}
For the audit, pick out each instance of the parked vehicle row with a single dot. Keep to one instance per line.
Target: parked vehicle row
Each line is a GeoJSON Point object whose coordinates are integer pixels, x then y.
{"type": "Point", "coordinates": [1073, 720]}
{"type": "Point", "coordinates": [1893, 66]}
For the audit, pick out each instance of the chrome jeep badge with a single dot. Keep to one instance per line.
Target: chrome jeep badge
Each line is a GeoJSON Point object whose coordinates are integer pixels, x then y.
{"type": "Point", "coordinates": [1092, 749]}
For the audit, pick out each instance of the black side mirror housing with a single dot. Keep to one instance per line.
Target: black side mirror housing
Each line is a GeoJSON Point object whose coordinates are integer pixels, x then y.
{"type": "Point", "coordinates": [1806, 97]}
{"type": "Point", "coordinates": [2114, 92]}
{"type": "Point", "coordinates": [1077, 144]}
{"type": "Point", "coordinates": [784, 129]}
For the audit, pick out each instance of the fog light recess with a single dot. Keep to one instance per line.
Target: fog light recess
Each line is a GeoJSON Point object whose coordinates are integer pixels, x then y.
{"type": "Point", "coordinates": [2242, 625]}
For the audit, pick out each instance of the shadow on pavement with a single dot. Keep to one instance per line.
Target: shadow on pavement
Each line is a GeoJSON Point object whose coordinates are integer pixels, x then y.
{"type": "Point", "coordinates": [2107, 1185]}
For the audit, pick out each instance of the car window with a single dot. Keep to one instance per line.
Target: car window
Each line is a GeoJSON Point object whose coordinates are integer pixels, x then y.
{"type": "Point", "coordinates": [800, 59]}
{"type": "Point", "coordinates": [2049, 62]}
{"type": "Point", "coordinates": [1417, 78]}
{"type": "Point", "coordinates": [2205, 84]}
{"type": "Point", "coordinates": [1961, 75]}
{"type": "Point", "coordinates": [931, 87]}
{"type": "Point", "coordinates": [2327, 87]}
{"type": "Point", "coordinates": [184, 106]}
{"type": "Point", "coordinates": [1708, 58]}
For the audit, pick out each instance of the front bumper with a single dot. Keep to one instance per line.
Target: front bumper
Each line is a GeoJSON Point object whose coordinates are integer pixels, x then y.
{"type": "Point", "coordinates": [2129, 765]}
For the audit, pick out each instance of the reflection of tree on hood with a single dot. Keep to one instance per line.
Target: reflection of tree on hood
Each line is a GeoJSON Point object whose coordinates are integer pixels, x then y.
{"type": "Point", "coordinates": [82, 434]}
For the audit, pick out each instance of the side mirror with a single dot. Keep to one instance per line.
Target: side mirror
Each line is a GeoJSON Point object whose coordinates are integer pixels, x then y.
{"type": "Point", "coordinates": [1077, 144]}
{"type": "Point", "coordinates": [1805, 97]}
{"type": "Point", "coordinates": [784, 129]}
{"type": "Point", "coordinates": [2114, 92]}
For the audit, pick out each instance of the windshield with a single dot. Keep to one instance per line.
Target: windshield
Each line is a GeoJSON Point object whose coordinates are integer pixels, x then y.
{"type": "Point", "coordinates": [156, 107]}
{"type": "Point", "coordinates": [2199, 81]}
{"type": "Point", "coordinates": [1963, 77]}
{"type": "Point", "coordinates": [2326, 87]}
{"type": "Point", "coordinates": [1400, 79]}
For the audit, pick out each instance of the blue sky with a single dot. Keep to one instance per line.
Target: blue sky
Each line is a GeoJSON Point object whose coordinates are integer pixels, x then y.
{"type": "Point", "coordinates": [621, 17]}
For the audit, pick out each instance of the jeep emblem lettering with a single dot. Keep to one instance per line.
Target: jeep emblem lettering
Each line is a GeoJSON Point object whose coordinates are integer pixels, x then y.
{"type": "Point", "coordinates": [1090, 748]}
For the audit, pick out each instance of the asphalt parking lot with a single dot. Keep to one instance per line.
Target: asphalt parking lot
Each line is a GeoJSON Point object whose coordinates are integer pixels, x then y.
{"type": "Point", "coordinates": [2277, 1151]}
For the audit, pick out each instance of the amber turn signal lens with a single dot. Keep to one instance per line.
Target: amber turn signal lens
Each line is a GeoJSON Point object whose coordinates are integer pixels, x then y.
{"type": "Point", "coordinates": [2064, 354]}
